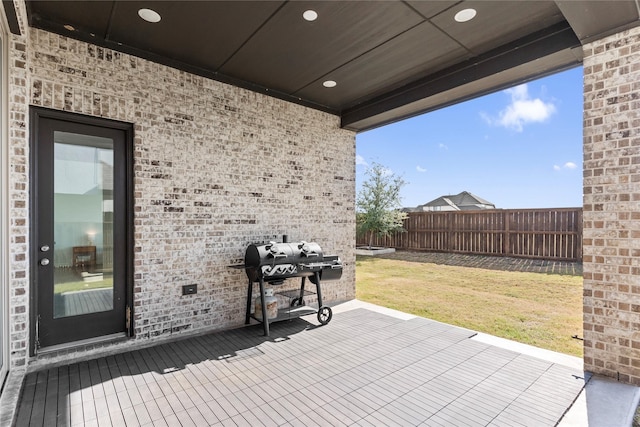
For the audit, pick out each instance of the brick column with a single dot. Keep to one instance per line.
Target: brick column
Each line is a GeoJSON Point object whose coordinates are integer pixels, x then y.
{"type": "Point", "coordinates": [612, 206]}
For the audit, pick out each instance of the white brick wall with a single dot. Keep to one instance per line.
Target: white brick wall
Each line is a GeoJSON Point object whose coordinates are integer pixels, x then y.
{"type": "Point", "coordinates": [216, 168]}
{"type": "Point", "coordinates": [19, 198]}
{"type": "Point", "coordinates": [612, 206]}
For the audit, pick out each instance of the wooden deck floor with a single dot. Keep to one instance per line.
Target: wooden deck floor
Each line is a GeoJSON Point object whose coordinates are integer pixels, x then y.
{"type": "Point", "coordinates": [83, 302]}
{"type": "Point", "coordinates": [362, 369]}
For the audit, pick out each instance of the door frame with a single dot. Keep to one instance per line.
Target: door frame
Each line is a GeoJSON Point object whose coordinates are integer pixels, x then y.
{"type": "Point", "coordinates": [4, 191]}
{"type": "Point", "coordinates": [35, 114]}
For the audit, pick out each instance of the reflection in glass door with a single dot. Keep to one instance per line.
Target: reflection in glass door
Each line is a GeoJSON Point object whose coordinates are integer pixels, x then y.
{"type": "Point", "coordinates": [82, 227]}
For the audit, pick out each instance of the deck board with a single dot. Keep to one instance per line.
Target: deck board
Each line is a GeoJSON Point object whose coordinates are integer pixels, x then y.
{"type": "Point", "coordinates": [363, 369]}
{"type": "Point", "coordinates": [83, 302]}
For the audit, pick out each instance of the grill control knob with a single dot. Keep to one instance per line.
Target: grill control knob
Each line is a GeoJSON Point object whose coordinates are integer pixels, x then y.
{"type": "Point", "coordinates": [44, 261]}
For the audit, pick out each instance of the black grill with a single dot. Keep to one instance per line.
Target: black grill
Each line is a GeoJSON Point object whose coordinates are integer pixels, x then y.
{"type": "Point", "coordinates": [274, 262]}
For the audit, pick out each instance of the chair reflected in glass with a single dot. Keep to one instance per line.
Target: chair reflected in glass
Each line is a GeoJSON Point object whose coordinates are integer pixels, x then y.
{"type": "Point", "coordinates": [84, 257]}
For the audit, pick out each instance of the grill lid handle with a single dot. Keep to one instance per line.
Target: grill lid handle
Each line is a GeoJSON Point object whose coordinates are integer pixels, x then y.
{"type": "Point", "coordinates": [306, 249]}
{"type": "Point", "coordinates": [275, 251]}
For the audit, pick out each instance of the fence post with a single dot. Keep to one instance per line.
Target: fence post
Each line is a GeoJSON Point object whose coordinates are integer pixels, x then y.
{"type": "Point", "coordinates": [580, 227]}
{"type": "Point", "coordinates": [450, 232]}
{"type": "Point", "coordinates": [505, 234]}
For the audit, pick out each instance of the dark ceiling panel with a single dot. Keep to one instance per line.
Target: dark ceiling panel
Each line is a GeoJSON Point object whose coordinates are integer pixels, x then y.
{"type": "Point", "coordinates": [391, 59]}
{"type": "Point", "coordinates": [87, 17]}
{"type": "Point", "coordinates": [497, 22]}
{"type": "Point", "coordinates": [414, 54]}
{"type": "Point", "coordinates": [590, 19]}
{"type": "Point", "coordinates": [429, 9]}
{"type": "Point", "coordinates": [202, 33]}
{"type": "Point", "coordinates": [288, 52]}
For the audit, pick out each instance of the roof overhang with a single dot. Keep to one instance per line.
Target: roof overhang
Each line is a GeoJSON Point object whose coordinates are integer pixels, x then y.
{"type": "Point", "coordinates": [390, 59]}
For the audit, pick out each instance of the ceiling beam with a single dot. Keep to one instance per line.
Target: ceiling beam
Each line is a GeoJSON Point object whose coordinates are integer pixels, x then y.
{"type": "Point", "coordinates": [537, 45]}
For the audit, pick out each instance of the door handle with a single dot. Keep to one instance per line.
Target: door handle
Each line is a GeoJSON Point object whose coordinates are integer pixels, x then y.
{"type": "Point", "coordinates": [44, 261]}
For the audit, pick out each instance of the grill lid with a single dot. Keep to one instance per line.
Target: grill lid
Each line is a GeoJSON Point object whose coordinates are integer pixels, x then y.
{"type": "Point", "coordinates": [281, 253]}
{"type": "Point", "coordinates": [274, 262]}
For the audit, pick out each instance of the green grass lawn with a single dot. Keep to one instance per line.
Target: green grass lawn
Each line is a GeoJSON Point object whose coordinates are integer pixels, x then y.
{"type": "Point", "coordinates": [543, 310]}
{"type": "Point", "coordinates": [81, 285]}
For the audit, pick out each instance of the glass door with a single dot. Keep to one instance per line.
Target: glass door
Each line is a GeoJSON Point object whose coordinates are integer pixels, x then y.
{"type": "Point", "coordinates": [80, 232]}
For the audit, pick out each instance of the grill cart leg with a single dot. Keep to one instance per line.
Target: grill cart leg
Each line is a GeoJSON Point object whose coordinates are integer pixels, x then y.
{"type": "Point", "coordinates": [265, 320]}
{"type": "Point", "coordinates": [304, 279]}
{"type": "Point", "coordinates": [247, 319]}
{"type": "Point", "coordinates": [324, 312]}
{"type": "Point", "coordinates": [300, 300]}
{"type": "Point", "coordinates": [317, 277]}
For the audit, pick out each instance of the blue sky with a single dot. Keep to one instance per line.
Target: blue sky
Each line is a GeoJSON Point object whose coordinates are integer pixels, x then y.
{"type": "Point", "coordinates": [518, 148]}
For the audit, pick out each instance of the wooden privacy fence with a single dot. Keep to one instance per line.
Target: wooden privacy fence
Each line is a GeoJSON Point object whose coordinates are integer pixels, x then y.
{"type": "Point", "coordinates": [529, 233]}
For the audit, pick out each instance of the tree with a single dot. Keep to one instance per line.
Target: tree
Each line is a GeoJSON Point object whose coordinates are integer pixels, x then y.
{"type": "Point", "coordinates": [378, 203]}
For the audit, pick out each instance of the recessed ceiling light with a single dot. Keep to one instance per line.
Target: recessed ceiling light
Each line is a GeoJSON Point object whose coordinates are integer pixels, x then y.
{"type": "Point", "coordinates": [310, 15]}
{"type": "Point", "coordinates": [69, 27]}
{"type": "Point", "coordinates": [149, 15]}
{"type": "Point", "coordinates": [329, 83]}
{"type": "Point", "coordinates": [465, 15]}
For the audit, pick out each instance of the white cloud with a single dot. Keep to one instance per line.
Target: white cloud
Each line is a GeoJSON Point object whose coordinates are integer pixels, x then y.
{"type": "Point", "coordinates": [518, 92]}
{"type": "Point", "coordinates": [360, 160]}
{"type": "Point", "coordinates": [420, 169]}
{"type": "Point", "coordinates": [443, 146]}
{"type": "Point", "coordinates": [387, 172]}
{"type": "Point", "coordinates": [568, 165]}
{"type": "Point", "coordinates": [522, 110]}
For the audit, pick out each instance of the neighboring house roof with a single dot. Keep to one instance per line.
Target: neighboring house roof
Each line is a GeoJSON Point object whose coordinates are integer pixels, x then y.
{"type": "Point", "coordinates": [463, 201]}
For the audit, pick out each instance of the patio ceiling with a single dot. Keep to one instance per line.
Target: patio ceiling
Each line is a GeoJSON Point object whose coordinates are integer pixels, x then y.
{"type": "Point", "coordinates": [390, 59]}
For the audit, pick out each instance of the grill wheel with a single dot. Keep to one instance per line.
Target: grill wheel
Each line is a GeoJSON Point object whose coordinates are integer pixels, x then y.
{"type": "Point", "coordinates": [324, 314]}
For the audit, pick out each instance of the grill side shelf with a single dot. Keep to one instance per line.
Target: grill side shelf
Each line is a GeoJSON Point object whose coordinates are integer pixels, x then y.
{"type": "Point", "coordinates": [237, 266]}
